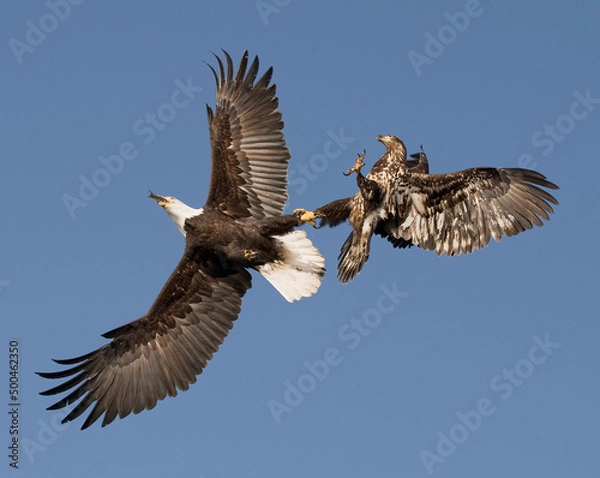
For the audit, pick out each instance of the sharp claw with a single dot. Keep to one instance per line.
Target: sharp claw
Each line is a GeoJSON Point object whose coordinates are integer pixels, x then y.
{"type": "Point", "coordinates": [249, 254]}
{"type": "Point", "coordinates": [358, 164]}
{"type": "Point", "coordinates": [306, 216]}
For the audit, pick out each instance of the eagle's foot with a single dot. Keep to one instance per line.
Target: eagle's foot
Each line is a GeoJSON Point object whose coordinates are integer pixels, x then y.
{"type": "Point", "coordinates": [250, 254]}
{"type": "Point", "coordinates": [306, 216]}
{"type": "Point", "coordinates": [358, 164]}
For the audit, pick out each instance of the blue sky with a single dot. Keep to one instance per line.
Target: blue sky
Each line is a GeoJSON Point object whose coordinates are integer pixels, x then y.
{"type": "Point", "coordinates": [479, 365]}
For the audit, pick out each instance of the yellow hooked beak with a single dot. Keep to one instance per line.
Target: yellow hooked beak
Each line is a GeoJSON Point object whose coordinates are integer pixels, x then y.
{"type": "Point", "coordinates": [160, 200]}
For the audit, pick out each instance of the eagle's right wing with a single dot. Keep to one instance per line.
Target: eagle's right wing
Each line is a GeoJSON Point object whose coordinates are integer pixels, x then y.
{"type": "Point", "coordinates": [249, 155]}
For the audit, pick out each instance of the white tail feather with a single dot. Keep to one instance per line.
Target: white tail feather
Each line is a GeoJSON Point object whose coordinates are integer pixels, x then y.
{"type": "Point", "coordinates": [298, 273]}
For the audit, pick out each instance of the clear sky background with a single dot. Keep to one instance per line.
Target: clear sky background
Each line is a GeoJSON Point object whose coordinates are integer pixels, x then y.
{"type": "Point", "coordinates": [443, 373]}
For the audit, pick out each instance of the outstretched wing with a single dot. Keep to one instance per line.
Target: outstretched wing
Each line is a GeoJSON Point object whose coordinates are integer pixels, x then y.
{"type": "Point", "coordinates": [458, 212]}
{"type": "Point", "coordinates": [159, 353]}
{"type": "Point", "coordinates": [249, 155]}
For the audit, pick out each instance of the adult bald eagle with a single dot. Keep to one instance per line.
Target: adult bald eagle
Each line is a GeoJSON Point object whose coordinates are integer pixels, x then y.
{"type": "Point", "coordinates": [451, 213]}
{"type": "Point", "coordinates": [239, 228]}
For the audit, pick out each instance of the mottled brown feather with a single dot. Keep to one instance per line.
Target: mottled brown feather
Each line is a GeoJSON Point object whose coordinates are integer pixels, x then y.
{"type": "Point", "coordinates": [452, 214]}
{"type": "Point", "coordinates": [457, 213]}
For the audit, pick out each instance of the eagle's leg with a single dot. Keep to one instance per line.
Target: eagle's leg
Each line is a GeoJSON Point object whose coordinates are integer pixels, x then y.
{"type": "Point", "coordinates": [306, 216]}
{"type": "Point", "coordinates": [250, 254]}
{"type": "Point", "coordinates": [358, 164]}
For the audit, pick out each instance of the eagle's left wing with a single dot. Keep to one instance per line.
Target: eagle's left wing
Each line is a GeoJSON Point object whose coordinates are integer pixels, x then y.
{"type": "Point", "coordinates": [249, 155]}
{"type": "Point", "coordinates": [458, 212]}
{"type": "Point", "coordinates": [162, 351]}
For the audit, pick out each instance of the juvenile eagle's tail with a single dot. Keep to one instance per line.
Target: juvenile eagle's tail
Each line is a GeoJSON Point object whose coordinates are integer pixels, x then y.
{"type": "Point", "coordinates": [298, 273]}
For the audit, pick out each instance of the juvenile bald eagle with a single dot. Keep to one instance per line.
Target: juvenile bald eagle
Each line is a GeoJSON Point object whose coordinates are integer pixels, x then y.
{"type": "Point", "coordinates": [239, 228]}
{"type": "Point", "coordinates": [451, 213]}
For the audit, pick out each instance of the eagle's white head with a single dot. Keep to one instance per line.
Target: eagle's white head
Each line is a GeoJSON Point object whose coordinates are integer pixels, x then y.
{"type": "Point", "coordinates": [177, 210]}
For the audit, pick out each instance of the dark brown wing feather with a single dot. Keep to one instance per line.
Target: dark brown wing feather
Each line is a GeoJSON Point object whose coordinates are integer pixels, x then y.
{"type": "Point", "coordinates": [383, 230]}
{"type": "Point", "coordinates": [419, 163]}
{"type": "Point", "coordinates": [458, 212]}
{"type": "Point", "coordinates": [159, 353]}
{"type": "Point", "coordinates": [334, 213]}
{"type": "Point", "coordinates": [249, 155]}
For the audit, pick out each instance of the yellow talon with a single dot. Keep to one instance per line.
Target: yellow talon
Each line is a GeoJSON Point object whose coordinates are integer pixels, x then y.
{"type": "Point", "coordinates": [249, 254]}
{"type": "Point", "coordinates": [306, 216]}
{"type": "Point", "coordinates": [309, 218]}
{"type": "Point", "coordinates": [358, 164]}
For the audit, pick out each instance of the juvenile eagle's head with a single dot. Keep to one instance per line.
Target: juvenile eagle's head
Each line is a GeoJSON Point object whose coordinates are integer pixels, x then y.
{"type": "Point", "coordinates": [391, 142]}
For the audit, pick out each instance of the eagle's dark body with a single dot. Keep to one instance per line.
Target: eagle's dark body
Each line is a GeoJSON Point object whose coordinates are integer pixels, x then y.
{"type": "Point", "coordinates": [451, 213]}
{"type": "Point", "coordinates": [240, 227]}
{"type": "Point", "coordinates": [246, 241]}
